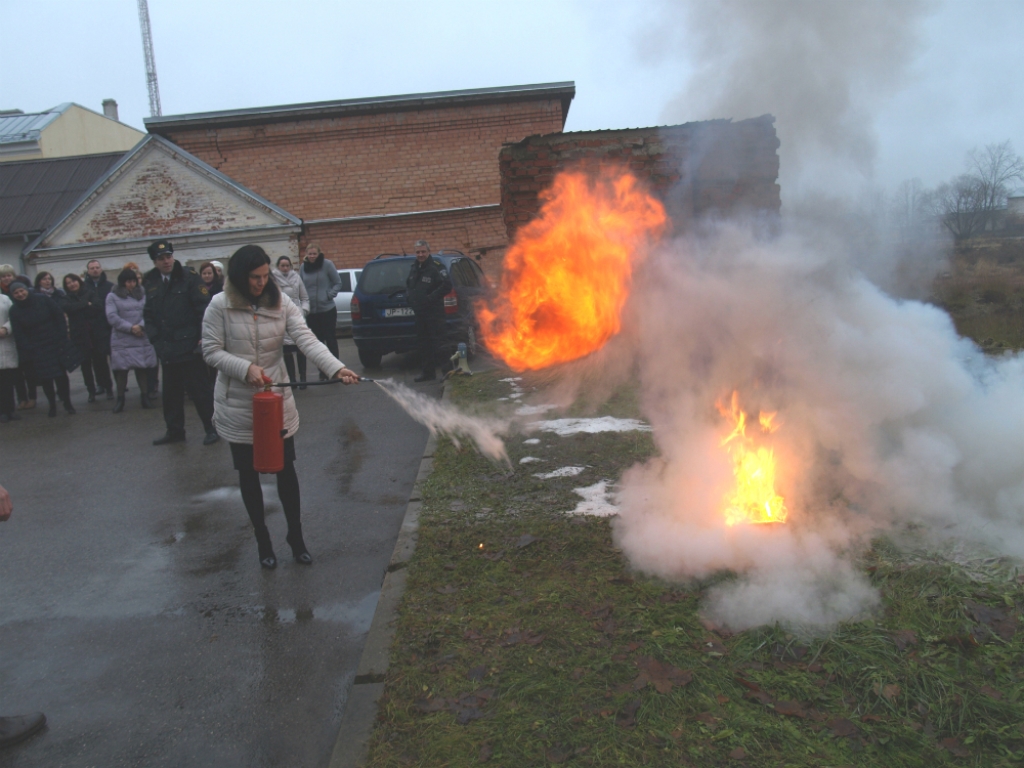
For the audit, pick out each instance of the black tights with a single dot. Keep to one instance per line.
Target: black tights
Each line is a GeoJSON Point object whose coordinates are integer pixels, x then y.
{"type": "Point", "coordinates": [289, 362]}
{"type": "Point", "coordinates": [63, 389]}
{"type": "Point", "coordinates": [141, 379]}
{"type": "Point", "coordinates": [287, 491]}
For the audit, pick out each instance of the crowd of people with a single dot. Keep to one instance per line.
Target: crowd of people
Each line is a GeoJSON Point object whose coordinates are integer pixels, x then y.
{"type": "Point", "coordinates": [88, 322]}
{"type": "Point", "coordinates": [197, 326]}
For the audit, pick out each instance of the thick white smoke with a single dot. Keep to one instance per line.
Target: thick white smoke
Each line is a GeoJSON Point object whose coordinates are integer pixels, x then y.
{"type": "Point", "coordinates": [888, 419]}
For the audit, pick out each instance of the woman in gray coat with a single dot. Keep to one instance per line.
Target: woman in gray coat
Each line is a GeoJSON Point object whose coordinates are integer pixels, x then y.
{"type": "Point", "coordinates": [322, 284]}
{"type": "Point", "coordinates": [130, 349]}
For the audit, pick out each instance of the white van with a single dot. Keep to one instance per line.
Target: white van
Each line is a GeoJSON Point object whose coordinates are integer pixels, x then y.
{"type": "Point", "coordinates": [343, 301]}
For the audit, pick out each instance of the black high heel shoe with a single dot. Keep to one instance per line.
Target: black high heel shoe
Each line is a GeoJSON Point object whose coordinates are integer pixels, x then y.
{"type": "Point", "coordinates": [267, 557]}
{"type": "Point", "coordinates": [69, 408]}
{"type": "Point", "coordinates": [53, 410]}
{"type": "Point", "coordinates": [299, 551]}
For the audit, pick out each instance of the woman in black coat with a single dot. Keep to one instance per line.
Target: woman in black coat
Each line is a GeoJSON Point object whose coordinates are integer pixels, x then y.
{"type": "Point", "coordinates": [86, 319]}
{"type": "Point", "coordinates": [40, 331]}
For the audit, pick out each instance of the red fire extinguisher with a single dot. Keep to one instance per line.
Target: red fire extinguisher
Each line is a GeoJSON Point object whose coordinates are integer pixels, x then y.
{"type": "Point", "coordinates": [268, 431]}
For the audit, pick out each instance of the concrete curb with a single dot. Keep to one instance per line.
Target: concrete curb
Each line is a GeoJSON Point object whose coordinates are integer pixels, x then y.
{"type": "Point", "coordinates": [352, 743]}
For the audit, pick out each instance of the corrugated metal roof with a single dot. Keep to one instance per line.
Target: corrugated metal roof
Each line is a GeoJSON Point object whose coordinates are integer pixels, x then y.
{"type": "Point", "coordinates": [36, 193]}
{"type": "Point", "coordinates": [26, 127]}
{"type": "Point", "coordinates": [565, 91]}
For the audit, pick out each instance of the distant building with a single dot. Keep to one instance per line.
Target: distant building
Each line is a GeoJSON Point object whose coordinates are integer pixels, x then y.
{"type": "Point", "coordinates": [64, 131]}
{"type": "Point", "coordinates": [160, 191]}
{"type": "Point", "coordinates": [373, 175]}
{"type": "Point", "coordinates": [34, 194]}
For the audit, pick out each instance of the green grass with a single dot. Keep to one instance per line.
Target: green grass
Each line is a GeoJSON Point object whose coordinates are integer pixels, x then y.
{"type": "Point", "coordinates": [523, 640]}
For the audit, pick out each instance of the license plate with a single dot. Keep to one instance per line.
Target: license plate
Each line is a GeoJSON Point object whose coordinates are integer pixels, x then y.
{"type": "Point", "coordinates": [399, 312]}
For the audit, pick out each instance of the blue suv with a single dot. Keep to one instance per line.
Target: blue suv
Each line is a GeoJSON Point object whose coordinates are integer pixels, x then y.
{"type": "Point", "coordinates": [383, 321]}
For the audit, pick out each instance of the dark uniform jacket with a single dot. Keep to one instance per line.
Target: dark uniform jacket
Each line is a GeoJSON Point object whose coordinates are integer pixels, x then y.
{"type": "Point", "coordinates": [100, 326]}
{"type": "Point", "coordinates": [87, 320]}
{"type": "Point", "coordinates": [427, 285]}
{"type": "Point", "coordinates": [40, 333]}
{"type": "Point", "coordinates": [174, 312]}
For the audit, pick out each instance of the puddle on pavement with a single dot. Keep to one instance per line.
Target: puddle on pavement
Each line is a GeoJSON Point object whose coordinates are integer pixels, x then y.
{"type": "Point", "coordinates": [357, 614]}
{"type": "Point", "coordinates": [232, 493]}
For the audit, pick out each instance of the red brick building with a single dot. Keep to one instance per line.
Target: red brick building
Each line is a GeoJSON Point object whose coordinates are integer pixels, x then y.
{"type": "Point", "coordinates": [373, 175]}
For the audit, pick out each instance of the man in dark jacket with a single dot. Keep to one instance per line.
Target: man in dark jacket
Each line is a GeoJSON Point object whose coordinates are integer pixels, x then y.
{"type": "Point", "coordinates": [99, 349]}
{"type": "Point", "coordinates": [427, 284]}
{"type": "Point", "coordinates": [176, 300]}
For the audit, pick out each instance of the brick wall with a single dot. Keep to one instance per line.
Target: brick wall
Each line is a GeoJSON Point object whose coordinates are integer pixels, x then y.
{"type": "Point", "coordinates": [390, 162]}
{"type": "Point", "coordinates": [353, 243]}
{"type": "Point", "coordinates": [712, 167]}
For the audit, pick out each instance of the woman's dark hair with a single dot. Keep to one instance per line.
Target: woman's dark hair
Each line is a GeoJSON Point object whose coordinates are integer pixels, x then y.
{"type": "Point", "coordinates": [73, 276]}
{"type": "Point", "coordinates": [209, 264]}
{"type": "Point", "coordinates": [245, 260]}
{"type": "Point", "coordinates": [283, 258]}
{"type": "Point", "coordinates": [39, 279]}
{"type": "Point", "coordinates": [125, 275]}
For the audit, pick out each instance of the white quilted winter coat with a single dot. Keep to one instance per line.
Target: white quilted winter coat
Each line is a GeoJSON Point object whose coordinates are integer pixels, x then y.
{"type": "Point", "coordinates": [234, 337]}
{"type": "Point", "coordinates": [8, 347]}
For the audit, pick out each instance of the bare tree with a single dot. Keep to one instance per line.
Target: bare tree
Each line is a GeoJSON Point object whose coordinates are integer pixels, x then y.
{"type": "Point", "coordinates": [994, 168]}
{"type": "Point", "coordinates": [959, 204]}
{"type": "Point", "coordinates": [968, 204]}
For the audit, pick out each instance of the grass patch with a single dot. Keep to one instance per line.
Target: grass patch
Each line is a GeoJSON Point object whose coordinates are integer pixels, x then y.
{"type": "Point", "coordinates": [984, 294]}
{"type": "Point", "coordinates": [524, 639]}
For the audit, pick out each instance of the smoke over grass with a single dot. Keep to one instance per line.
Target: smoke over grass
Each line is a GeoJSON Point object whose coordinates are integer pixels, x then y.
{"type": "Point", "coordinates": [889, 421]}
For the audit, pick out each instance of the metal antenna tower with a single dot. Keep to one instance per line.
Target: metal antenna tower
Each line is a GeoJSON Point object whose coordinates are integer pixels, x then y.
{"type": "Point", "coordinates": [147, 48]}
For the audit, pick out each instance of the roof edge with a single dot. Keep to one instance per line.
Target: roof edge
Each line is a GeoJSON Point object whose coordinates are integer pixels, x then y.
{"type": "Point", "coordinates": [564, 91]}
{"type": "Point", "coordinates": [185, 157]}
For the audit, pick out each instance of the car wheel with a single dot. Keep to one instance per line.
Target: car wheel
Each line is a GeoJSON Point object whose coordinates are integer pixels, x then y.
{"type": "Point", "coordinates": [369, 359]}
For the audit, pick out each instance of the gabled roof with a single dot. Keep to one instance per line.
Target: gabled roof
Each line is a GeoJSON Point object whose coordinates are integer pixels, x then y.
{"type": "Point", "coordinates": [35, 193]}
{"type": "Point", "coordinates": [20, 127]}
{"type": "Point", "coordinates": [125, 166]}
{"type": "Point", "coordinates": [564, 91]}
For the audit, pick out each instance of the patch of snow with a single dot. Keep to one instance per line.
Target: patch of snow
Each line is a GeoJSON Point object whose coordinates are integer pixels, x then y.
{"type": "Point", "coordinates": [591, 426]}
{"type": "Point", "coordinates": [560, 472]}
{"type": "Point", "coordinates": [531, 410]}
{"type": "Point", "coordinates": [597, 501]}
{"type": "Point", "coordinates": [529, 459]}
{"type": "Point", "coordinates": [514, 378]}
{"type": "Point", "coordinates": [532, 441]}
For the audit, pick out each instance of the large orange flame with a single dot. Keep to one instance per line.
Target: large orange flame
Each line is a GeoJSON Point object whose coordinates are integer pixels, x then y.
{"type": "Point", "coordinates": [568, 272]}
{"type": "Point", "coordinates": [753, 499]}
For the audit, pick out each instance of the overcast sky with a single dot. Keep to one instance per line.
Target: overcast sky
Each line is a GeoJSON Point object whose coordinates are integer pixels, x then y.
{"type": "Point", "coordinates": [960, 86]}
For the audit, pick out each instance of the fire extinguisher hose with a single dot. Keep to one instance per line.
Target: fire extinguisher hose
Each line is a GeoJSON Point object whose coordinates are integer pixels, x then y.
{"type": "Point", "coordinates": [311, 383]}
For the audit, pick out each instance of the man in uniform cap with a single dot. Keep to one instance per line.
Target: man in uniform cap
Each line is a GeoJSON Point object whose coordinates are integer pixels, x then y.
{"type": "Point", "coordinates": [176, 300]}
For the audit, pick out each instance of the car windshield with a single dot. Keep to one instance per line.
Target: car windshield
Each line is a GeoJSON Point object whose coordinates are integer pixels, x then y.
{"type": "Point", "coordinates": [385, 277]}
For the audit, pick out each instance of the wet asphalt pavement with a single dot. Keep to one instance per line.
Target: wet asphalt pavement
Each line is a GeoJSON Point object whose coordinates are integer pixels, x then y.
{"type": "Point", "coordinates": [134, 612]}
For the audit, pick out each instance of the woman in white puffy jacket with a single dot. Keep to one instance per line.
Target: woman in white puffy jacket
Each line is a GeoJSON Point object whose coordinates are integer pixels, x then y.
{"type": "Point", "coordinates": [243, 338]}
{"type": "Point", "coordinates": [8, 362]}
{"type": "Point", "coordinates": [289, 281]}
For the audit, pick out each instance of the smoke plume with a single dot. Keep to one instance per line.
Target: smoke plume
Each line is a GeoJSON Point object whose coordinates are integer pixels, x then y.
{"type": "Point", "coordinates": [822, 67]}
{"type": "Point", "coordinates": [888, 421]}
